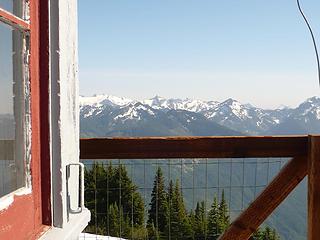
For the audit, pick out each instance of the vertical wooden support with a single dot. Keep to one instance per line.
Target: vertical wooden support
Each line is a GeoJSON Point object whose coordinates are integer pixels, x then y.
{"type": "Point", "coordinates": [314, 188]}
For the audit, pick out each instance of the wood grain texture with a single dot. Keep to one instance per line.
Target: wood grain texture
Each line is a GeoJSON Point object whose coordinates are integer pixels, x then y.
{"type": "Point", "coordinates": [314, 188]}
{"type": "Point", "coordinates": [193, 147]}
{"type": "Point", "coordinates": [281, 186]}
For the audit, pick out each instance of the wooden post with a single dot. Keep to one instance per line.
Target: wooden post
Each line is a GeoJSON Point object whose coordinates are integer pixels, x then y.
{"type": "Point", "coordinates": [314, 188]}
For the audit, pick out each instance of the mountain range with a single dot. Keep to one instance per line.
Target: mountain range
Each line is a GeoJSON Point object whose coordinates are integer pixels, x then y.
{"type": "Point", "coordinates": [105, 115]}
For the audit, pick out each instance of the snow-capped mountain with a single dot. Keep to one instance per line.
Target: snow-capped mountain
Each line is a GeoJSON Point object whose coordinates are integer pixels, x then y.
{"type": "Point", "coordinates": [107, 116]}
{"type": "Point", "coordinates": [175, 116]}
{"type": "Point", "coordinates": [138, 119]}
{"type": "Point", "coordinates": [244, 117]}
{"type": "Point", "coordinates": [102, 99]}
{"type": "Point", "coordinates": [180, 104]}
{"type": "Point", "coordinates": [303, 119]}
{"type": "Point", "coordinates": [156, 102]}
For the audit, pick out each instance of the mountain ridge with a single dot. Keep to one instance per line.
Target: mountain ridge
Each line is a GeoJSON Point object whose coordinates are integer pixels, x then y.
{"type": "Point", "coordinates": [242, 118]}
{"type": "Point", "coordinates": [108, 116]}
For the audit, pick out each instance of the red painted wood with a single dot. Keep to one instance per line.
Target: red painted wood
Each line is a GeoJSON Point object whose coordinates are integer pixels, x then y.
{"type": "Point", "coordinates": [35, 102]}
{"type": "Point", "coordinates": [11, 19]}
{"type": "Point", "coordinates": [18, 219]}
{"type": "Point", "coordinates": [23, 218]}
{"type": "Point", "coordinates": [44, 110]}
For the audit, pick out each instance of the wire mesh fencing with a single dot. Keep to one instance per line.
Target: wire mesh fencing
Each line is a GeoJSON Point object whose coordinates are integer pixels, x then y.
{"type": "Point", "coordinates": [172, 198]}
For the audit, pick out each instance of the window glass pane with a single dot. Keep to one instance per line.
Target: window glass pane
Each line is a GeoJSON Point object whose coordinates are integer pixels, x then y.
{"type": "Point", "coordinates": [12, 6]}
{"type": "Point", "coordinates": [12, 123]}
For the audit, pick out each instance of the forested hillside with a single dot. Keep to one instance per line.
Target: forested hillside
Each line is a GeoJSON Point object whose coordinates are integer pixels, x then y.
{"type": "Point", "coordinates": [118, 209]}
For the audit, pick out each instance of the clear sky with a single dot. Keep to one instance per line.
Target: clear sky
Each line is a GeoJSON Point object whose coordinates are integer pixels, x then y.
{"type": "Point", "coordinates": [254, 51]}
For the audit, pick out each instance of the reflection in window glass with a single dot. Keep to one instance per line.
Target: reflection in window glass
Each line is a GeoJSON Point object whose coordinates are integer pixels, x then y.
{"type": "Point", "coordinates": [12, 6]}
{"type": "Point", "coordinates": [12, 142]}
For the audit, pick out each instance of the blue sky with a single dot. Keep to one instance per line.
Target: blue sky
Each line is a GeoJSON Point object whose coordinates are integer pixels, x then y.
{"type": "Point", "coordinates": [254, 51]}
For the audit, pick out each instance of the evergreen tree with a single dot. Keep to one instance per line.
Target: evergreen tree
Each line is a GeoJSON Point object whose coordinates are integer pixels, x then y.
{"type": "Point", "coordinates": [200, 226]}
{"type": "Point", "coordinates": [192, 220]}
{"type": "Point", "coordinates": [103, 194]}
{"type": "Point", "coordinates": [265, 234]}
{"type": "Point", "coordinates": [257, 235]}
{"type": "Point", "coordinates": [213, 220]}
{"type": "Point", "coordinates": [153, 233]}
{"type": "Point", "coordinates": [224, 218]}
{"type": "Point", "coordinates": [171, 214]}
{"type": "Point", "coordinates": [119, 226]}
{"type": "Point", "coordinates": [95, 200]}
{"type": "Point", "coordinates": [269, 234]}
{"type": "Point", "coordinates": [112, 209]}
{"type": "Point", "coordinates": [113, 220]}
{"type": "Point", "coordinates": [158, 212]}
{"type": "Point", "coordinates": [125, 191]}
{"type": "Point", "coordinates": [178, 225]}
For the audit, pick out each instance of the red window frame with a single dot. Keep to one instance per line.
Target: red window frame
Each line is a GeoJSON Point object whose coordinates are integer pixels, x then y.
{"type": "Point", "coordinates": [29, 215]}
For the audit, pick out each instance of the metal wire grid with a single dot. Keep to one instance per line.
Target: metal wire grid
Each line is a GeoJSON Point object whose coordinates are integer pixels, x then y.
{"type": "Point", "coordinates": [201, 178]}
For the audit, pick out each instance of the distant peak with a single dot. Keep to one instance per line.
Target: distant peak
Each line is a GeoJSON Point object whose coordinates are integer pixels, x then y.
{"type": "Point", "coordinates": [103, 99]}
{"type": "Point", "coordinates": [282, 106]}
{"type": "Point", "coordinates": [158, 97]}
{"type": "Point", "coordinates": [249, 105]}
{"type": "Point", "coordinates": [230, 101]}
{"type": "Point", "coordinates": [313, 99]}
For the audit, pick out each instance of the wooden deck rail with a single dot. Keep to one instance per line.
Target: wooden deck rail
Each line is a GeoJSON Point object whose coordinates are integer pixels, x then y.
{"type": "Point", "coordinates": [304, 150]}
{"type": "Point", "coordinates": [193, 147]}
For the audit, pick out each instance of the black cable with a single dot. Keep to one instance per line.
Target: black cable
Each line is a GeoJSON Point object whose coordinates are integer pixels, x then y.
{"type": "Point", "coordinates": [313, 38]}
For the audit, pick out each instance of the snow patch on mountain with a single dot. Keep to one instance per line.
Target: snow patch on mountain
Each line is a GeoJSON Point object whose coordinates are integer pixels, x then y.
{"type": "Point", "coordinates": [230, 113]}
{"type": "Point", "coordinates": [187, 104]}
{"type": "Point", "coordinates": [103, 99]}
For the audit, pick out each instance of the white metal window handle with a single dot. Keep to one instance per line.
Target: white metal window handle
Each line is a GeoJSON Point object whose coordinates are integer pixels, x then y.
{"type": "Point", "coordinates": [81, 188]}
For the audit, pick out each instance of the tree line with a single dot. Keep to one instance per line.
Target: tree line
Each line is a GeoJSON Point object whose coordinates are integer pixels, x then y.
{"type": "Point", "coordinates": [117, 209]}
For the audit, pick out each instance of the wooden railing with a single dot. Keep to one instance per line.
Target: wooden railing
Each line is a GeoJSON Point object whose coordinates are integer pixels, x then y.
{"type": "Point", "coordinates": [304, 151]}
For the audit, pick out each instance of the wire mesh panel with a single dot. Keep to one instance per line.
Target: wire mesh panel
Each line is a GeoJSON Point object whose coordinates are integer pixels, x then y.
{"type": "Point", "coordinates": [172, 199]}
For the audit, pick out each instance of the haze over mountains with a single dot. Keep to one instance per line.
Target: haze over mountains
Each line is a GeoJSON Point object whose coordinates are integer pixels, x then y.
{"type": "Point", "coordinates": [105, 115]}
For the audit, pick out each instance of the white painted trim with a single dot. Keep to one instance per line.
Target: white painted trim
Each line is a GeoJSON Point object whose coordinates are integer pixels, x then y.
{"type": "Point", "coordinates": [64, 108]}
{"type": "Point", "coordinates": [72, 229]}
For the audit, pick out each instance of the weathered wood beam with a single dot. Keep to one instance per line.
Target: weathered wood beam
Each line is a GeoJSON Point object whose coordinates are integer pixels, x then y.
{"type": "Point", "coordinates": [6, 150]}
{"type": "Point", "coordinates": [193, 147]}
{"type": "Point", "coordinates": [314, 188]}
{"type": "Point", "coordinates": [270, 198]}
